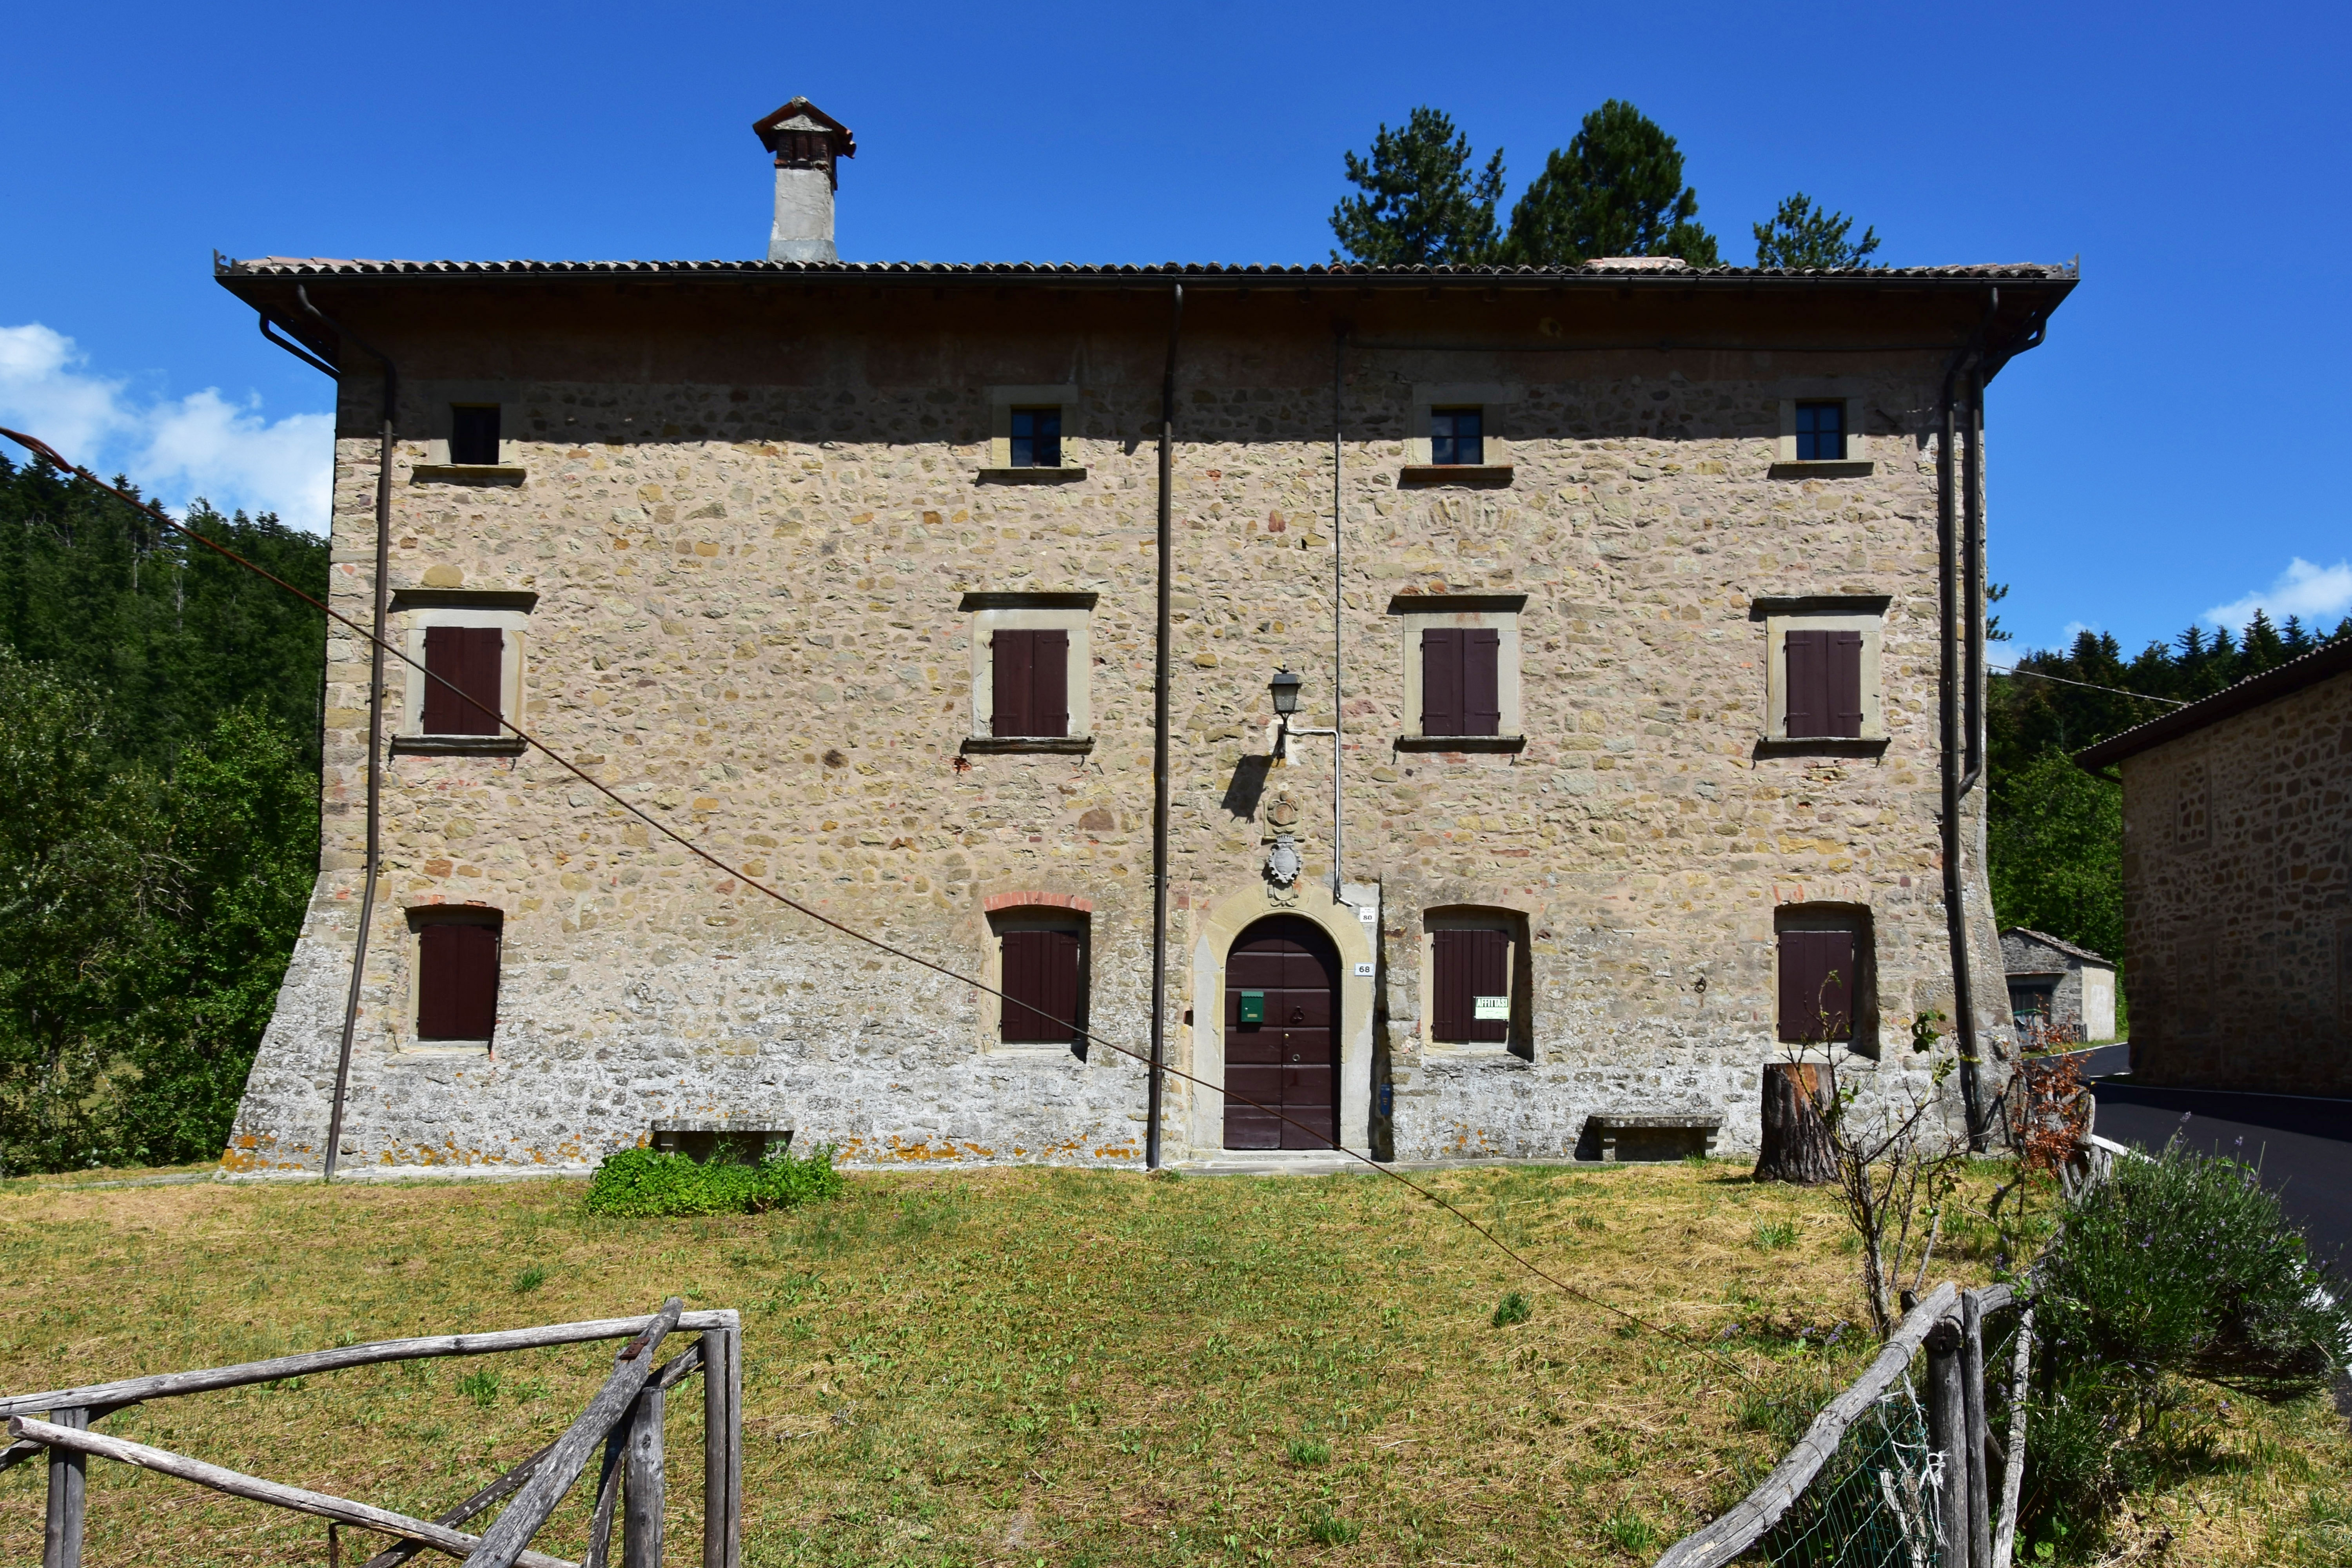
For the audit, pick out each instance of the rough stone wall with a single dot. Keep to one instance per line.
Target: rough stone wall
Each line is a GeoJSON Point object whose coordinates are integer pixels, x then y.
{"type": "Point", "coordinates": [747, 624]}
{"type": "Point", "coordinates": [2238, 898]}
{"type": "Point", "coordinates": [2021, 954]}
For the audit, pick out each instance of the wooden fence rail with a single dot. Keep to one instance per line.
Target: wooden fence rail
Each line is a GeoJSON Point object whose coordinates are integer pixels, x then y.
{"type": "Point", "coordinates": [1949, 1324]}
{"type": "Point", "coordinates": [625, 1416]}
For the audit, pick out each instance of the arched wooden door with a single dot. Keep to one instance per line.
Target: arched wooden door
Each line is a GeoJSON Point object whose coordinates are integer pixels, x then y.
{"type": "Point", "coordinates": [1282, 1036]}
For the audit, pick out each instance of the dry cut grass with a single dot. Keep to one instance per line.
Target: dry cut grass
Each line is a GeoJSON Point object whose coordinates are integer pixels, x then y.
{"type": "Point", "coordinates": [1015, 1367]}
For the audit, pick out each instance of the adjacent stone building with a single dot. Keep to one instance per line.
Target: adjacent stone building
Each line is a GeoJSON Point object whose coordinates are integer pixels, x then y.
{"type": "Point", "coordinates": [1620, 582]}
{"type": "Point", "coordinates": [2070, 990]}
{"type": "Point", "coordinates": [2237, 882]}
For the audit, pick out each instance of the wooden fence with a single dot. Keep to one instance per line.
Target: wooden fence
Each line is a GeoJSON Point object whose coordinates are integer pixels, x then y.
{"type": "Point", "coordinates": [1975, 1508]}
{"type": "Point", "coordinates": [624, 1418]}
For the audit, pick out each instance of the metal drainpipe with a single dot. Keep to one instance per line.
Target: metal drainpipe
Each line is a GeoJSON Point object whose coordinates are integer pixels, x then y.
{"type": "Point", "coordinates": [1159, 707]}
{"type": "Point", "coordinates": [1948, 559]}
{"type": "Point", "coordinates": [375, 722]}
{"type": "Point", "coordinates": [1339, 615]}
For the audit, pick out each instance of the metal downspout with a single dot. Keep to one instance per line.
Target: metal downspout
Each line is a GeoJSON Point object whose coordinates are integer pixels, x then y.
{"type": "Point", "coordinates": [375, 723]}
{"type": "Point", "coordinates": [1338, 620]}
{"type": "Point", "coordinates": [1949, 555]}
{"type": "Point", "coordinates": [1160, 711]}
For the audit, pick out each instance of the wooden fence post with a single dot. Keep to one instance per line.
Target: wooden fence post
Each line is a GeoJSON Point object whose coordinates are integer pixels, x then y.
{"type": "Point", "coordinates": [641, 1514]}
{"type": "Point", "coordinates": [68, 1496]}
{"type": "Point", "coordinates": [1980, 1430]}
{"type": "Point", "coordinates": [1947, 1435]}
{"type": "Point", "coordinates": [722, 1447]}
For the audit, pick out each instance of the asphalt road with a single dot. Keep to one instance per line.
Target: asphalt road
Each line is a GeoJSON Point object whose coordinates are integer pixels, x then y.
{"type": "Point", "coordinates": [2303, 1146]}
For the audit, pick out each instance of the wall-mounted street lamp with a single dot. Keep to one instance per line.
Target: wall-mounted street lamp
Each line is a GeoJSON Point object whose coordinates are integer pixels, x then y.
{"type": "Point", "coordinates": [1284, 687]}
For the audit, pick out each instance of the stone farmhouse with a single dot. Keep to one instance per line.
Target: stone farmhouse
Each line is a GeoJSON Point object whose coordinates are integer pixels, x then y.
{"type": "Point", "coordinates": [2070, 991]}
{"type": "Point", "coordinates": [2237, 882]}
{"type": "Point", "coordinates": [1643, 601]}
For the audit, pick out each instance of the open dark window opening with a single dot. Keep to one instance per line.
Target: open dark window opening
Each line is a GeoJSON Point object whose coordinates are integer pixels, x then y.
{"type": "Point", "coordinates": [469, 658]}
{"type": "Point", "coordinates": [1457, 435]}
{"type": "Point", "coordinates": [1824, 684]}
{"type": "Point", "coordinates": [457, 977]}
{"type": "Point", "coordinates": [1461, 681]}
{"type": "Point", "coordinates": [474, 434]}
{"type": "Point", "coordinates": [1820, 432]}
{"type": "Point", "coordinates": [1029, 684]}
{"type": "Point", "coordinates": [1036, 438]}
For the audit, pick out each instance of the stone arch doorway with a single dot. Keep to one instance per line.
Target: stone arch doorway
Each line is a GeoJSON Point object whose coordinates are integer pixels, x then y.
{"type": "Point", "coordinates": [1282, 1036]}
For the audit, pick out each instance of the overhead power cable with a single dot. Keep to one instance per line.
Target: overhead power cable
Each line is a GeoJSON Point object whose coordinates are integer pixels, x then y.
{"type": "Point", "coordinates": [2091, 686]}
{"type": "Point", "coordinates": [50, 455]}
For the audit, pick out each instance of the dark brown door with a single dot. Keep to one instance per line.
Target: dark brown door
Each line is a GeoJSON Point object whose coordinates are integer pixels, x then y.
{"type": "Point", "coordinates": [1288, 1060]}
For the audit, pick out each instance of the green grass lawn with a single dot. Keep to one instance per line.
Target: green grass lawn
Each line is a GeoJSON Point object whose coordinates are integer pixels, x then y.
{"type": "Point", "coordinates": [1007, 1367]}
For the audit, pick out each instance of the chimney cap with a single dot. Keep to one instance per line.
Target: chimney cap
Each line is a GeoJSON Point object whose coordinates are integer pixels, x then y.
{"type": "Point", "coordinates": [770, 126]}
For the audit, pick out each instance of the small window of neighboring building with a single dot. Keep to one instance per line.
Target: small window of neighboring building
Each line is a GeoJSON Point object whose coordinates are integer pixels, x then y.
{"type": "Point", "coordinates": [1044, 982]}
{"type": "Point", "coordinates": [474, 434]}
{"type": "Point", "coordinates": [1470, 986]}
{"type": "Point", "coordinates": [458, 978]}
{"type": "Point", "coordinates": [1030, 683]}
{"type": "Point", "coordinates": [471, 659]}
{"type": "Point", "coordinates": [1457, 436]}
{"type": "Point", "coordinates": [1825, 983]}
{"type": "Point", "coordinates": [1824, 684]}
{"type": "Point", "coordinates": [1821, 431]}
{"type": "Point", "coordinates": [1460, 680]}
{"type": "Point", "coordinates": [1037, 438]}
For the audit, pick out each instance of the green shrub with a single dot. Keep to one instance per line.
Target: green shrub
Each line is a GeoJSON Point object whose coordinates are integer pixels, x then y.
{"type": "Point", "coordinates": [2174, 1268]}
{"type": "Point", "coordinates": [642, 1184]}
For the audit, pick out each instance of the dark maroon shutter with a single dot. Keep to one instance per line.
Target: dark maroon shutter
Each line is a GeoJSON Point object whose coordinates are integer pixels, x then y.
{"type": "Point", "coordinates": [1843, 678]}
{"type": "Point", "coordinates": [1049, 709]}
{"type": "Point", "coordinates": [1441, 683]}
{"type": "Point", "coordinates": [1013, 665]}
{"type": "Point", "coordinates": [1041, 987]}
{"type": "Point", "coordinates": [1808, 684]}
{"type": "Point", "coordinates": [1817, 975]}
{"type": "Point", "coordinates": [457, 981]}
{"type": "Point", "coordinates": [1482, 683]}
{"type": "Point", "coordinates": [1468, 964]}
{"type": "Point", "coordinates": [468, 657]}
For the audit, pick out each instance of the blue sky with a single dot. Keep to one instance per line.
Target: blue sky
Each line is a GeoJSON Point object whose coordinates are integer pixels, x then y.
{"type": "Point", "coordinates": [2174, 450]}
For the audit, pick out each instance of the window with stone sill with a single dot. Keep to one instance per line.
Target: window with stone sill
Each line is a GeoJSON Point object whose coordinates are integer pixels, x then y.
{"type": "Point", "coordinates": [1031, 658]}
{"type": "Point", "coordinates": [467, 671]}
{"type": "Point", "coordinates": [457, 954]}
{"type": "Point", "coordinates": [1823, 665]}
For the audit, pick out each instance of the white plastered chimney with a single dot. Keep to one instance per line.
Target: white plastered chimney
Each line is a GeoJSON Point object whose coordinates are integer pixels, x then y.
{"type": "Point", "coordinates": [806, 141]}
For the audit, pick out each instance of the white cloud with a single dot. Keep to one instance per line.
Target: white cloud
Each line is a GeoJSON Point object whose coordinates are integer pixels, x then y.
{"type": "Point", "coordinates": [2314, 592]}
{"type": "Point", "coordinates": [174, 448]}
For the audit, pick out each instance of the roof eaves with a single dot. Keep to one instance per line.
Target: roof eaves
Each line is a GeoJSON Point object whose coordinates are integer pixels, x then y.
{"type": "Point", "coordinates": [2281, 680]}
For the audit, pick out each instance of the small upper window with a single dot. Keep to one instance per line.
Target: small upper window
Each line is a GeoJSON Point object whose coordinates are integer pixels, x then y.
{"type": "Point", "coordinates": [1457, 436]}
{"type": "Point", "coordinates": [474, 434]}
{"type": "Point", "coordinates": [1036, 437]}
{"type": "Point", "coordinates": [1820, 432]}
{"type": "Point", "coordinates": [464, 699]}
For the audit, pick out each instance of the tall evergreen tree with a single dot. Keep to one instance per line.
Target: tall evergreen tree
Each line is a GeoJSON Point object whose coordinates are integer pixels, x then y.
{"type": "Point", "coordinates": [1616, 191]}
{"type": "Point", "coordinates": [1422, 204]}
{"type": "Point", "coordinates": [1804, 238]}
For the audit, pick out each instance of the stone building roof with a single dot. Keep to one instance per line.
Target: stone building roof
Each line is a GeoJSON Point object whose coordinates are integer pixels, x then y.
{"type": "Point", "coordinates": [1620, 271]}
{"type": "Point", "coordinates": [2046, 939]}
{"type": "Point", "coordinates": [2313, 667]}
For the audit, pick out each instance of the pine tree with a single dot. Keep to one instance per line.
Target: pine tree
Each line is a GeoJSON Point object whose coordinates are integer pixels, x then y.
{"type": "Point", "coordinates": [1423, 205]}
{"type": "Point", "coordinates": [1617, 191]}
{"type": "Point", "coordinates": [1801, 237]}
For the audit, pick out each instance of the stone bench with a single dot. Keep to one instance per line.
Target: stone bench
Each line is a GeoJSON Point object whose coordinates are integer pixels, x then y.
{"type": "Point", "coordinates": [703, 1138]}
{"type": "Point", "coordinates": [1652, 1132]}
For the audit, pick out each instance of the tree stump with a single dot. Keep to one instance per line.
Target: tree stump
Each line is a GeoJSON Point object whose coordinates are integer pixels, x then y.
{"type": "Point", "coordinates": [1796, 1138]}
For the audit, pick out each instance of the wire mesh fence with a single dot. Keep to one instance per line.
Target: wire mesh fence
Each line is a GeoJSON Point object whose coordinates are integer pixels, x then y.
{"type": "Point", "coordinates": [1911, 1466]}
{"type": "Point", "coordinates": [1875, 1502]}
